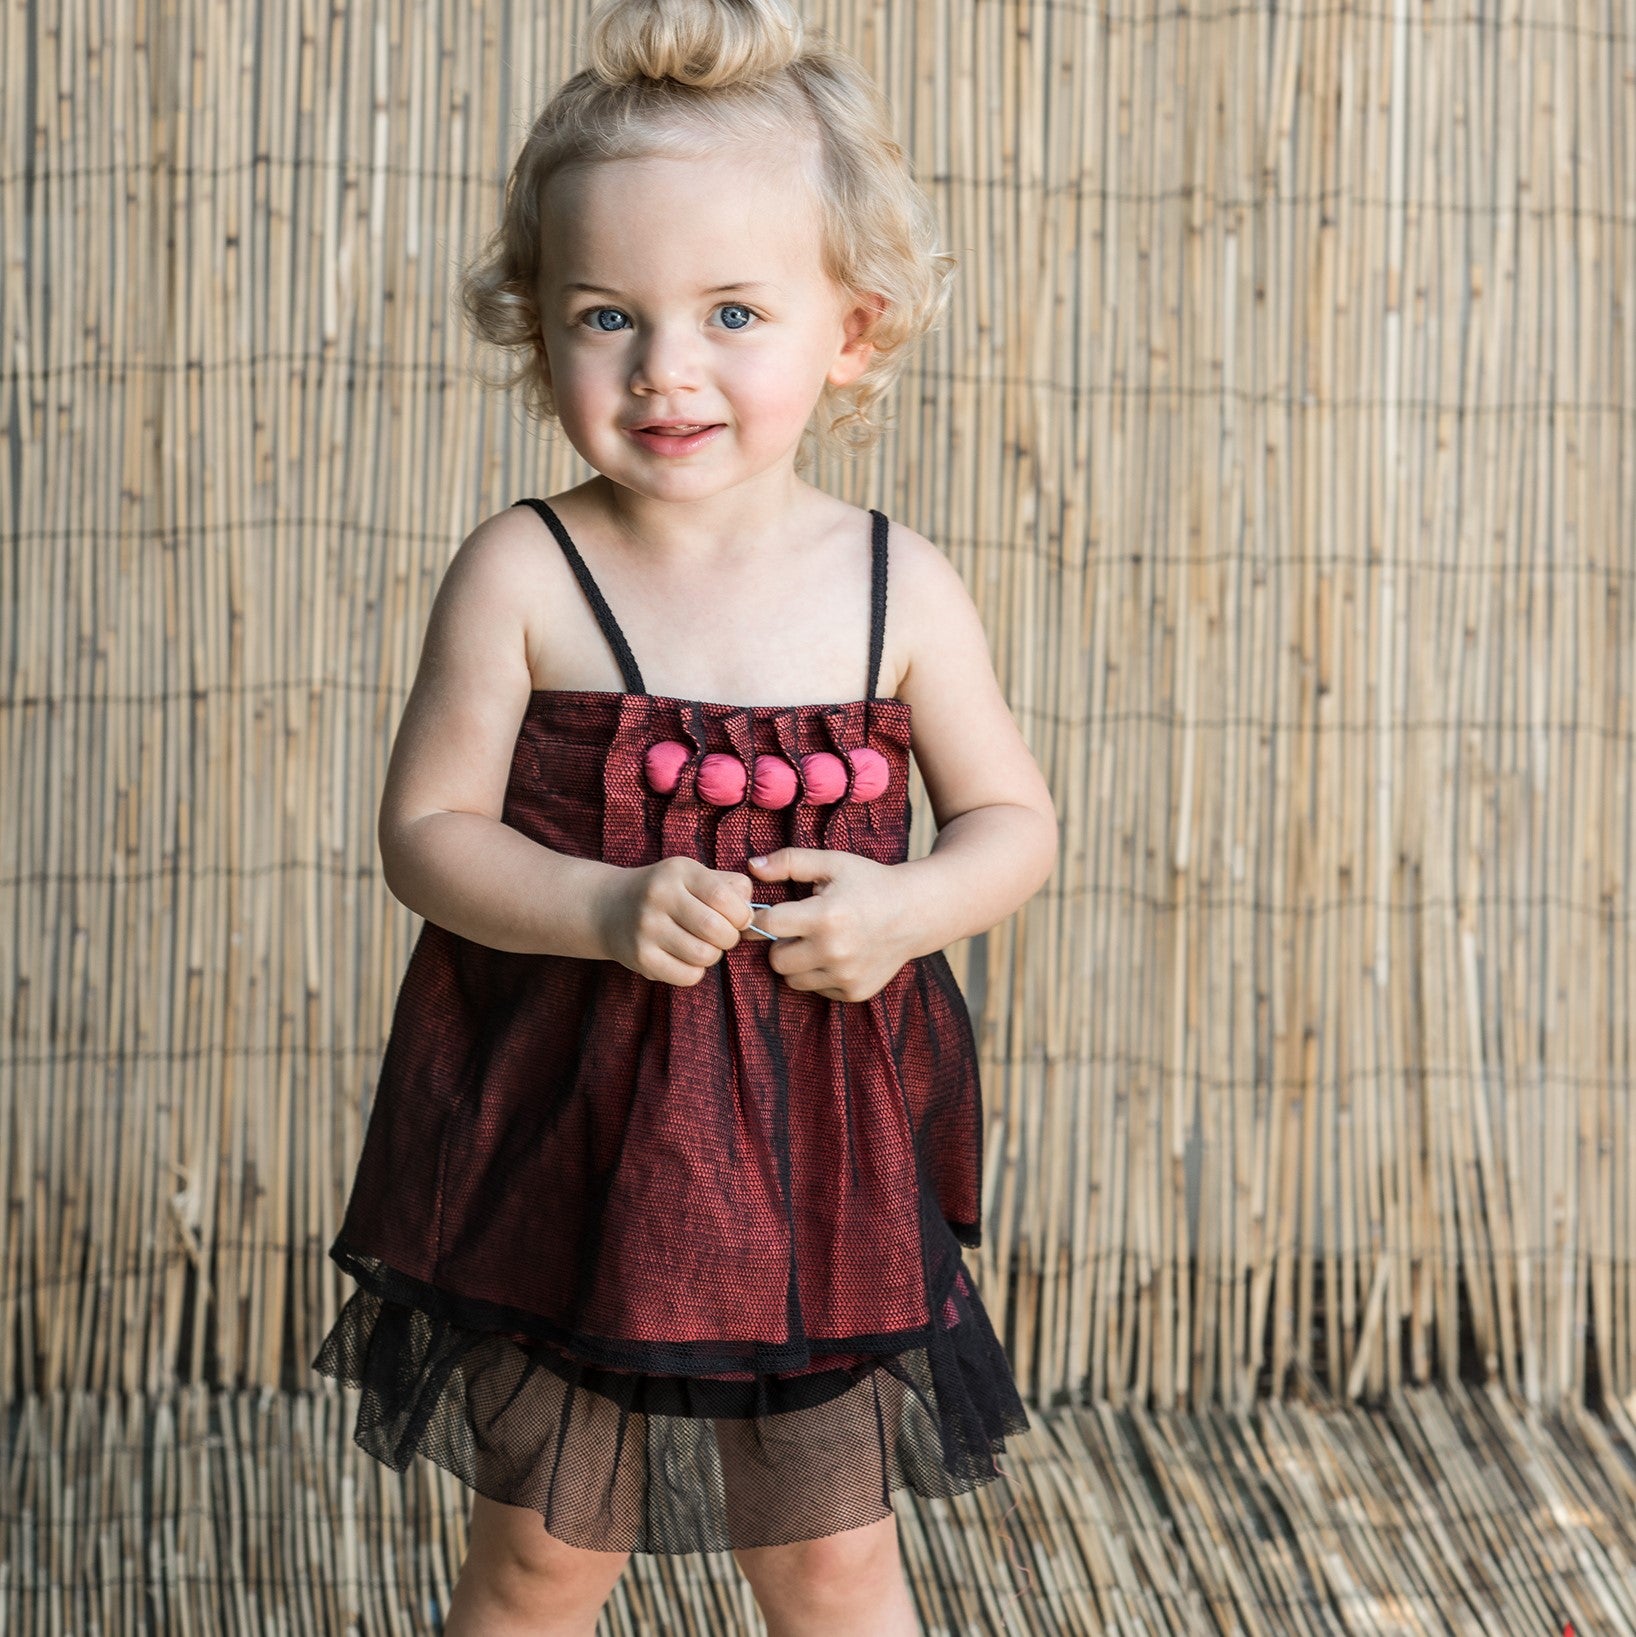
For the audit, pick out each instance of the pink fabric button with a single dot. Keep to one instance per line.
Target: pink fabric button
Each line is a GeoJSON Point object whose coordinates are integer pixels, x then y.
{"type": "Point", "coordinates": [722, 778]}
{"type": "Point", "coordinates": [823, 776]}
{"type": "Point", "coordinates": [662, 764]}
{"type": "Point", "coordinates": [774, 782]}
{"type": "Point", "coordinates": [870, 773]}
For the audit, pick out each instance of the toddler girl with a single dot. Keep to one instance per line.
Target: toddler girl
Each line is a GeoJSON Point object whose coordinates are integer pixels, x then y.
{"type": "Point", "coordinates": [677, 1139]}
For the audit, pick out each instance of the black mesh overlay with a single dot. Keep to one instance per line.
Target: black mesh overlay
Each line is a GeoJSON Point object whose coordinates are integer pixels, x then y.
{"type": "Point", "coordinates": [617, 1461]}
{"type": "Point", "coordinates": [679, 1267]}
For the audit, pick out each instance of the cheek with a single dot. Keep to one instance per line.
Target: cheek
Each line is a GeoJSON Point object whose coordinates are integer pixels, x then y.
{"type": "Point", "coordinates": [777, 390]}
{"type": "Point", "coordinates": [569, 367]}
{"type": "Point", "coordinates": [580, 382]}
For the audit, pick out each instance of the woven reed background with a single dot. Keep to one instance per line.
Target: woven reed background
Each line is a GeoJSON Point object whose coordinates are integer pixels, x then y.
{"type": "Point", "coordinates": [1283, 430]}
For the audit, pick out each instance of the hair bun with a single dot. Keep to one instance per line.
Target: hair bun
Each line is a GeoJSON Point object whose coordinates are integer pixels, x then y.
{"type": "Point", "coordinates": [702, 43]}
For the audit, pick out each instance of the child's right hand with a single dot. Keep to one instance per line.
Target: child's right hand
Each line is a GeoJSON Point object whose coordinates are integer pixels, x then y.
{"type": "Point", "coordinates": [670, 920]}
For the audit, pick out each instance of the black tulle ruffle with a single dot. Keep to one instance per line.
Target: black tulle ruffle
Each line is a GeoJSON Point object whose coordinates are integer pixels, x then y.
{"type": "Point", "coordinates": [619, 1460]}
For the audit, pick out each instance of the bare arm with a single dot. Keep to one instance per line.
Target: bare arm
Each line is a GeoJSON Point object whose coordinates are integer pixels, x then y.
{"type": "Point", "coordinates": [444, 850]}
{"type": "Point", "coordinates": [996, 842]}
{"type": "Point", "coordinates": [983, 866]}
{"type": "Point", "coordinates": [490, 883]}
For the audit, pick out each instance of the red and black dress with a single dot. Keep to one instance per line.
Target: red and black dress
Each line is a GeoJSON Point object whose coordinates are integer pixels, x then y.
{"type": "Point", "coordinates": [679, 1267]}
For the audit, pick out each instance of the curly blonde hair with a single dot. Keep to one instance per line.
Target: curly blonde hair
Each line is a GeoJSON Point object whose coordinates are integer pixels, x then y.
{"type": "Point", "coordinates": [679, 77]}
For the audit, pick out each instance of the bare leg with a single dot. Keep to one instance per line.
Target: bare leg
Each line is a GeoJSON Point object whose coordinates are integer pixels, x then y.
{"type": "Point", "coordinates": [816, 1472]}
{"type": "Point", "coordinates": [519, 1581]}
{"type": "Point", "coordinates": [845, 1585]}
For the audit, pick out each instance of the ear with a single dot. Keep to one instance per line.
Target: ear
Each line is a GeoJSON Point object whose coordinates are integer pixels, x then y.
{"type": "Point", "coordinates": [856, 352]}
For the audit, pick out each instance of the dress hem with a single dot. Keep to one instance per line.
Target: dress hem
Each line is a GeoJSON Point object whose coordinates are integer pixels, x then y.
{"type": "Point", "coordinates": [648, 1462]}
{"type": "Point", "coordinates": [720, 1358]}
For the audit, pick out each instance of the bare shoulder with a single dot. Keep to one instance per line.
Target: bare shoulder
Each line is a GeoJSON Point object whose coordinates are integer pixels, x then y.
{"type": "Point", "coordinates": [505, 544]}
{"type": "Point", "coordinates": [927, 599]}
{"type": "Point", "coordinates": [475, 633]}
{"type": "Point", "coordinates": [919, 573]}
{"type": "Point", "coordinates": [967, 744]}
{"type": "Point", "coordinates": [459, 727]}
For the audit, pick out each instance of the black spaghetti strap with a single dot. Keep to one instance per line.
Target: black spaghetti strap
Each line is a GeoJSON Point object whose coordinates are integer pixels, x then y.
{"type": "Point", "coordinates": [877, 597]}
{"type": "Point", "coordinates": [616, 638]}
{"type": "Point", "coordinates": [593, 595]}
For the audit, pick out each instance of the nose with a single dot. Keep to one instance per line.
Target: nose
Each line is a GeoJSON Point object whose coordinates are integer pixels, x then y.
{"type": "Point", "coordinates": [666, 359]}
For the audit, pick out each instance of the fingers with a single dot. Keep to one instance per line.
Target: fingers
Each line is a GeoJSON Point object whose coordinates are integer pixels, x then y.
{"type": "Point", "coordinates": [795, 864]}
{"type": "Point", "coordinates": [793, 957]}
{"type": "Point", "coordinates": [715, 908]}
{"type": "Point", "coordinates": [728, 893]}
{"type": "Point", "coordinates": [701, 948]}
{"type": "Point", "coordinates": [707, 911]}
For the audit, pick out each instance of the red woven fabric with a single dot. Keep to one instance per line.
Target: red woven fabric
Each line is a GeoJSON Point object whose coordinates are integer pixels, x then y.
{"type": "Point", "coordinates": [607, 1229]}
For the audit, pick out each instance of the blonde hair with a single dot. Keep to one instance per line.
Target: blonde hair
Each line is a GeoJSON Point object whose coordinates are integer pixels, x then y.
{"type": "Point", "coordinates": [680, 77]}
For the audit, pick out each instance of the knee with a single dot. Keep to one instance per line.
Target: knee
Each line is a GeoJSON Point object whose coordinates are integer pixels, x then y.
{"type": "Point", "coordinates": [544, 1557]}
{"type": "Point", "coordinates": [551, 1567]}
{"type": "Point", "coordinates": [527, 1571]}
{"type": "Point", "coordinates": [836, 1570]}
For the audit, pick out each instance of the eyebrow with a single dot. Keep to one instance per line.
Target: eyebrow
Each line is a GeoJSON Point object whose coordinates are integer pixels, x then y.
{"type": "Point", "coordinates": [716, 290]}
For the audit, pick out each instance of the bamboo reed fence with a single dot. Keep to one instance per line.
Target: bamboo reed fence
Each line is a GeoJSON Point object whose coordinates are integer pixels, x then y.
{"type": "Point", "coordinates": [1450, 1510]}
{"type": "Point", "coordinates": [1283, 429]}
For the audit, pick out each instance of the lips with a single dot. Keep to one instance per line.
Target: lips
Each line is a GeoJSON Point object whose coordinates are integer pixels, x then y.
{"type": "Point", "coordinates": [673, 442]}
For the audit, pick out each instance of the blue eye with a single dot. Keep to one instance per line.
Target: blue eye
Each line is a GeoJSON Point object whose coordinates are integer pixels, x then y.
{"type": "Point", "coordinates": [595, 313]}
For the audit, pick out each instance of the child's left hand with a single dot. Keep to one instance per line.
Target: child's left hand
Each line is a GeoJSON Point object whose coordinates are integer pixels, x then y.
{"type": "Point", "coordinates": [847, 940]}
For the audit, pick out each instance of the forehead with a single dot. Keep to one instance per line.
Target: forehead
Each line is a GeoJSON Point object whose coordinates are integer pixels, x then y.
{"type": "Point", "coordinates": [697, 224]}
